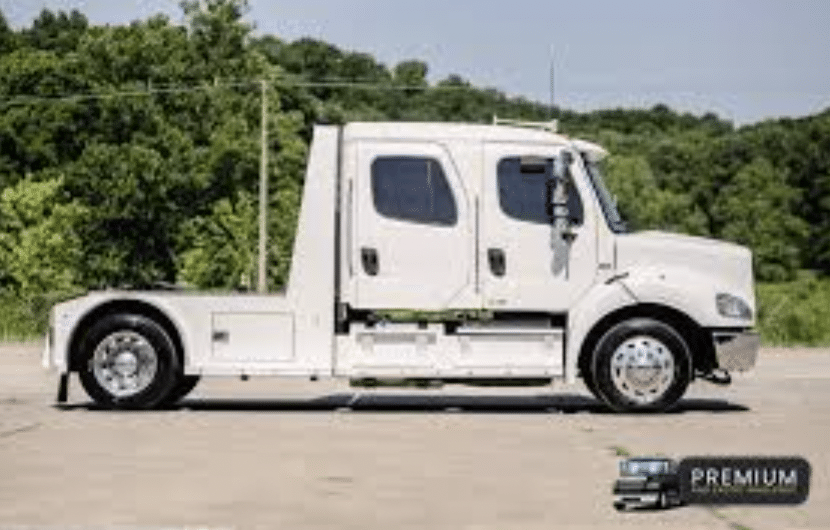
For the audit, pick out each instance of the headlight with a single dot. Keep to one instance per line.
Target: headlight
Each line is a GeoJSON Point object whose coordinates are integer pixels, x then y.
{"type": "Point", "coordinates": [655, 468]}
{"type": "Point", "coordinates": [732, 306]}
{"type": "Point", "coordinates": [626, 468]}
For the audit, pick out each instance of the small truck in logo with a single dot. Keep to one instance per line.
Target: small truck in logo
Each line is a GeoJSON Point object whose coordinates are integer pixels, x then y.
{"type": "Point", "coordinates": [647, 483]}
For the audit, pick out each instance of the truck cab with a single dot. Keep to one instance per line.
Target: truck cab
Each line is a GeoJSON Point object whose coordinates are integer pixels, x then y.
{"type": "Point", "coordinates": [449, 253]}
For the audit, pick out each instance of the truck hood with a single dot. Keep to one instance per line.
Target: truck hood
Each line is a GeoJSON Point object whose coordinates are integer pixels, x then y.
{"type": "Point", "coordinates": [729, 266]}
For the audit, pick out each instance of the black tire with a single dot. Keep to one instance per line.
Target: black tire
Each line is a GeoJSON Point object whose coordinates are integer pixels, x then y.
{"type": "Point", "coordinates": [121, 346]}
{"type": "Point", "coordinates": [184, 386]}
{"type": "Point", "coordinates": [657, 366]}
{"type": "Point", "coordinates": [587, 375]}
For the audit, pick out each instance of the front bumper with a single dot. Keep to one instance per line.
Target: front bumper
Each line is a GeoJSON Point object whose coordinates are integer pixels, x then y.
{"type": "Point", "coordinates": [736, 352]}
{"type": "Point", "coordinates": [637, 500]}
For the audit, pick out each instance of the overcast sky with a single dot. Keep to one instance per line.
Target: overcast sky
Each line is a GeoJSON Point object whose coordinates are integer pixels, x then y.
{"type": "Point", "coordinates": [745, 60]}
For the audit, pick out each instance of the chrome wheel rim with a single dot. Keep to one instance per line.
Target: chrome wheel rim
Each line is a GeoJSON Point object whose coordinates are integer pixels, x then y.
{"type": "Point", "coordinates": [642, 369]}
{"type": "Point", "coordinates": [124, 363]}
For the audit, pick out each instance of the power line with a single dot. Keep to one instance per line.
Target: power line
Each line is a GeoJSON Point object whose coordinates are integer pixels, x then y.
{"type": "Point", "coordinates": [203, 87]}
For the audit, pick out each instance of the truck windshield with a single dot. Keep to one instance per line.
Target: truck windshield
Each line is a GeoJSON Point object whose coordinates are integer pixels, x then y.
{"type": "Point", "coordinates": [606, 200]}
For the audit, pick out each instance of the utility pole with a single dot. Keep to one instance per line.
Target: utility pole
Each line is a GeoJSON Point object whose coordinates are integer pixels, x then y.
{"type": "Point", "coordinates": [263, 193]}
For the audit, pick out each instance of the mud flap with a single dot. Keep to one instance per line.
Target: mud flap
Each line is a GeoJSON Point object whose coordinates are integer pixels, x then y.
{"type": "Point", "coordinates": [63, 388]}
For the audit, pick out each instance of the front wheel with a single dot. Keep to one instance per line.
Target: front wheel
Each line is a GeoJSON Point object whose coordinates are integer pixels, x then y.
{"type": "Point", "coordinates": [128, 362]}
{"type": "Point", "coordinates": [641, 365]}
{"type": "Point", "coordinates": [184, 386]}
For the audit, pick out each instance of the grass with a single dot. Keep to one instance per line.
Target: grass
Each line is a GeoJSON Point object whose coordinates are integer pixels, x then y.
{"type": "Point", "coordinates": [619, 450]}
{"type": "Point", "coordinates": [795, 313]}
{"type": "Point", "coordinates": [24, 319]}
{"type": "Point", "coordinates": [17, 321]}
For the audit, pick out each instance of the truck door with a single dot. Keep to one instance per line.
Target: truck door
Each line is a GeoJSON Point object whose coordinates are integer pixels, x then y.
{"type": "Point", "coordinates": [413, 244]}
{"type": "Point", "coordinates": [515, 237]}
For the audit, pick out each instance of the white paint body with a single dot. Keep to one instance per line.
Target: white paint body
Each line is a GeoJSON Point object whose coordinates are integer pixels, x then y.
{"type": "Point", "coordinates": [432, 268]}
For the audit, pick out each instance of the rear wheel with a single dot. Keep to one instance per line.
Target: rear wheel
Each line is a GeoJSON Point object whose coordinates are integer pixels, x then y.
{"type": "Point", "coordinates": [128, 362]}
{"type": "Point", "coordinates": [641, 365]}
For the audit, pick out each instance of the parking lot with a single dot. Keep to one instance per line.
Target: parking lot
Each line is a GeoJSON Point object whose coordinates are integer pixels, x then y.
{"type": "Point", "coordinates": [273, 453]}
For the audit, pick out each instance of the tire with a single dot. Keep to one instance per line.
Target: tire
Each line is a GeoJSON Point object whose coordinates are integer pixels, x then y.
{"type": "Point", "coordinates": [128, 361]}
{"type": "Point", "coordinates": [184, 386]}
{"type": "Point", "coordinates": [588, 379]}
{"type": "Point", "coordinates": [641, 365]}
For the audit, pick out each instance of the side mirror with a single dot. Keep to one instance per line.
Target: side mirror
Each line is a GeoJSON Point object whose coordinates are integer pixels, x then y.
{"type": "Point", "coordinates": [557, 188]}
{"type": "Point", "coordinates": [562, 165]}
{"type": "Point", "coordinates": [561, 235]}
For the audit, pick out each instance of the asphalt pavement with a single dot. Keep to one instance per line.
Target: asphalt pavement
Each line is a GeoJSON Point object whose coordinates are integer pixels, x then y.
{"type": "Point", "coordinates": [286, 453]}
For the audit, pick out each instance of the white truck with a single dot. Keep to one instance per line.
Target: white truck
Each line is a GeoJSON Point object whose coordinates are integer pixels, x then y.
{"type": "Point", "coordinates": [440, 253]}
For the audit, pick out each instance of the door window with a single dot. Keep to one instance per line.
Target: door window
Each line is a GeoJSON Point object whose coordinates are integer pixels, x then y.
{"type": "Point", "coordinates": [412, 189]}
{"type": "Point", "coordinates": [524, 192]}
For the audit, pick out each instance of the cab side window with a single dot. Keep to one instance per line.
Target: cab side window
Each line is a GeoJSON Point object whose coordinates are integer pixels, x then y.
{"type": "Point", "coordinates": [523, 190]}
{"type": "Point", "coordinates": [412, 189]}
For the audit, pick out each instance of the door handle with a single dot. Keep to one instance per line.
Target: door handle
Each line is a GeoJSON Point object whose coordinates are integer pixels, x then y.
{"type": "Point", "coordinates": [498, 263]}
{"type": "Point", "coordinates": [369, 258]}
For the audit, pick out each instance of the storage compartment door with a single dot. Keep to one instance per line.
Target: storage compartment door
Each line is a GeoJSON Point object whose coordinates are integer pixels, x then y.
{"type": "Point", "coordinates": [253, 337]}
{"type": "Point", "coordinates": [510, 352]}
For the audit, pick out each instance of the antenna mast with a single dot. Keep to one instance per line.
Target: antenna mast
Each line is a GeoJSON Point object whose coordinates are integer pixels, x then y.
{"type": "Point", "coordinates": [552, 86]}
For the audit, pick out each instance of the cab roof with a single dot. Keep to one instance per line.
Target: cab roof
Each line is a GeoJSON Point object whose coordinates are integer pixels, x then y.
{"type": "Point", "coordinates": [418, 131]}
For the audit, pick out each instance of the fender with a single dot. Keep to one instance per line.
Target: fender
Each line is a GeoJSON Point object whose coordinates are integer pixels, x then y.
{"type": "Point", "coordinates": [67, 316]}
{"type": "Point", "coordinates": [600, 300]}
{"type": "Point", "coordinates": [689, 291]}
{"type": "Point", "coordinates": [192, 317]}
{"type": "Point", "coordinates": [684, 290]}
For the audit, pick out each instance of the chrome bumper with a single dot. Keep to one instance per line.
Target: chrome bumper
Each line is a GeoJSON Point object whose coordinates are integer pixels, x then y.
{"type": "Point", "coordinates": [637, 500]}
{"type": "Point", "coordinates": [736, 352]}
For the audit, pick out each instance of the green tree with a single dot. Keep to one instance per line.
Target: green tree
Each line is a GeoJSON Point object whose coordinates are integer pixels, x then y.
{"type": "Point", "coordinates": [36, 132]}
{"type": "Point", "coordinates": [757, 209]}
{"type": "Point", "coordinates": [411, 73]}
{"type": "Point", "coordinates": [644, 204]}
{"type": "Point", "coordinates": [233, 164]}
{"type": "Point", "coordinates": [8, 38]}
{"type": "Point", "coordinates": [138, 56]}
{"type": "Point", "coordinates": [220, 246]}
{"type": "Point", "coordinates": [219, 36]}
{"type": "Point", "coordinates": [131, 191]}
{"type": "Point", "coordinates": [40, 240]}
{"type": "Point", "coordinates": [59, 32]}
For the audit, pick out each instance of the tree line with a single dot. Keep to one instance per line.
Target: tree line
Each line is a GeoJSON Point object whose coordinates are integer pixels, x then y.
{"type": "Point", "coordinates": [129, 154]}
